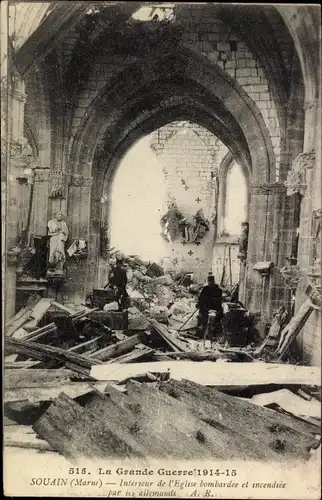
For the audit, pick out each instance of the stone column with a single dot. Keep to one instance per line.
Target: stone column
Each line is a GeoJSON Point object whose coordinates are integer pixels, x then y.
{"type": "Point", "coordinates": [78, 217]}
{"type": "Point", "coordinates": [299, 177]}
{"type": "Point", "coordinates": [265, 227]}
{"type": "Point", "coordinates": [40, 202]}
{"type": "Point", "coordinates": [18, 159]}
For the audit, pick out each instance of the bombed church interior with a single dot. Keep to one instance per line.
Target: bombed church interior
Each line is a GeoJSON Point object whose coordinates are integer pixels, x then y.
{"type": "Point", "coordinates": [161, 197]}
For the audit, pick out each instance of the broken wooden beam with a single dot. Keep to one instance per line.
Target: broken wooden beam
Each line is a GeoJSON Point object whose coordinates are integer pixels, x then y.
{"type": "Point", "coordinates": [153, 424]}
{"type": "Point", "coordinates": [171, 340]}
{"type": "Point", "coordinates": [87, 346]}
{"type": "Point", "coordinates": [135, 355]}
{"type": "Point", "coordinates": [78, 433]}
{"type": "Point", "coordinates": [19, 320]}
{"type": "Point", "coordinates": [50, 391]}
{"type": "Point", "coordinates": [42, 333]}
{"type": "Point", "coordinates": [293, 328]}
{"type": "Point", "coordinates": [23, 436]}
{"type": "Point", "coordinates": [196, 356]}
{"type": "Point", "coordinates": [212, 442]}
{"type": "Point", "coordinates": [270, 436]}
{"type": "Point", "coordinates": [47, 353]}
{"type": "Point", "coordinates": [14, 379]}
{"type": "Point", "coordinates": [119, 348]}
{"type": "Point", "coordinates": [224, 376]}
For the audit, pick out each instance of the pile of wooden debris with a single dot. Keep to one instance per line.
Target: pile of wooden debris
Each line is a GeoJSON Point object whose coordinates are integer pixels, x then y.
{"type": "Point", "coordinates": [116, 374]}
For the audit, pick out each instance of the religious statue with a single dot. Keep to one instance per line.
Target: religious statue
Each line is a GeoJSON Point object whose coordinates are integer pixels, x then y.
{"type": "Point", "coordinates": [200, 226]}
{"type": "Point", "coordinates": [58, 233]}
{"type": "Point", "coordinates": [170, 223]}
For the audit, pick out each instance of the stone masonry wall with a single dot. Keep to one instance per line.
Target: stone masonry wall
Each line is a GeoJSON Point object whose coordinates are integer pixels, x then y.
{"type": "Point", "coordinates": [190, 156]}
{"type": "Point", "coordinates": [212, 39]}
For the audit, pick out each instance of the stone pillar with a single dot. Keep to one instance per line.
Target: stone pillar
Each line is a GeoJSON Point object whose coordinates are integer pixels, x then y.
{"type": "Point", "coordinates": [40, 202]}
{"type": "Point", "coordinates": [304, 178]}
{"type": "Point", "coordinates": [78, 218]}
{"type": "Point", "coordinates": [18, 159]}
{"type": "Point", "coordinates": [266, 225]}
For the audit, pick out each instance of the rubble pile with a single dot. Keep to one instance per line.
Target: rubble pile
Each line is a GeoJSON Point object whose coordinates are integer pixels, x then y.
{"type": "Point", "coordinates": [97, 362]}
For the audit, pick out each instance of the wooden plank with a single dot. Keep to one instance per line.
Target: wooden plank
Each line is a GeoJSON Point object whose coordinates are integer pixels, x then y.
{"type": "Point", "coordinates": [10, 359]}
{"type": "Point", "coordinates": [50, 391]}
{"type": "Point", "coordinates": [222, 375]}
{"type": "Point", "coordinates": [40, 309]}
{"type": "Point", "coordinates": [119, 418]}
{"type": "Point", "coordinates": [18, 323]}
{"type": "Point", "coordinates": [119, 348]}
{"type": "Point", "coordinates": [134, 355]}
{"type": "Point", "coordinates": [87, 346]}
{"type": "Point", "coordinates": [31, 325]}
{"type": "Point", "coordinates": [263, 431]}
{"type": "Point", "coordinates": [79, 433]}
{"type": "Point", "coordinates": [48, 330]}
{"type": "Point", "coordinates": [8, 421]}
{"type": "Point", "coordinates": [46, 353]}
{"type": "Point", "coordinates": [171, 339]}
{"type": "Point", "coordinates": [36, 377]}
{"type": "Point", "coordinates": [197, 356]}
{"type": "Point", "coordinates": [63, 308]}
{"type": "Point", "coordinates": [293, 328]}
{"type": "Point", "coordinates": [16, 317]}
{"type": "Point", "coordinates": [21, 364]}
{"type": "Point", "coordinates": [212, 395]}
{"type": "Point", "coordinates": [25, 412]}
{"type": "Point", "coordinates": [139, 423]}
{"type": "Point", "coordinates": [19, 334]}
{"type": "Point", "coordinates": [22, 436]}
{"type": "Point", "coordinates": [216, 443]}
{"type": "Point", "coordinates": [154, 425]}
{"type": "Point", "coordinates": [290, 402]}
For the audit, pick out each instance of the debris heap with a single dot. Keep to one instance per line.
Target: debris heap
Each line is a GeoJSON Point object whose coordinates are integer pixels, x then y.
{"type": "Point", "coordinates": [107, 368]}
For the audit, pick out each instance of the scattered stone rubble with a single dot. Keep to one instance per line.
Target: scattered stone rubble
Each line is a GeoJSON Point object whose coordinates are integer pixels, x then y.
{"type": "Point", "coordinates": [58, 361]}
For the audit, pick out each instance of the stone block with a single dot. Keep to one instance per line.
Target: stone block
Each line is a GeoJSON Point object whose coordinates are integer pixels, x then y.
{"type": "Point", "coordinates": [223, 47]}
{"type": "Point", "coordinates": [251, 63]}
{"type": "Point", "coordinates": [241, 63]}
{"type": "Point", "coordinates": [213, 56]}
{"type": "Point", "coordinates": [262, 88]}
{"type": "Point", "coordinates": [243, 72]}
{"type": "Point", "coordinates": [231, 72]}
{"type": "Point", "coordinates": [253, 95]}
{"type": "Point", "coordinates": [242, 80]}
{"type": "Point", "coordinates": [253, 80]}
{"type": "Point", "coordinates": [213, 37]}
{"type": "Point", "coordinates": [230, 65]}
{"type": "Point", "coordinates": [262, 105]}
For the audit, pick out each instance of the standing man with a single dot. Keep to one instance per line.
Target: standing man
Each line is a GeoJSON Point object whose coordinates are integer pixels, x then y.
{"type": "Point", "coordinates": [118, 278]}
{"type": "Point", "coordinates": [210, 299]}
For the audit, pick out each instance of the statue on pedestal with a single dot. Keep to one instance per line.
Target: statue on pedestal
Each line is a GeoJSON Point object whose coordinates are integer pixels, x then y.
{"type": "Point", "coordinates": [58, 233]}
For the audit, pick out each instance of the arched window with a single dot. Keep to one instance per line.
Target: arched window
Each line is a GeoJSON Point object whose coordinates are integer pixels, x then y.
{"type": "Point", "coordinates": [233, 198]}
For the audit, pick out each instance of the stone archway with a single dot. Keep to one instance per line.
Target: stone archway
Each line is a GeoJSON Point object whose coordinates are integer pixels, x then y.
{"type": "Point", "coordinates": [141, 100]}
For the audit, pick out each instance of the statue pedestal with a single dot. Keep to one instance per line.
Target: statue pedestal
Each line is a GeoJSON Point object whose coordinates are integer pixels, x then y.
{"type": "Point", "coordinates": [55, 278]}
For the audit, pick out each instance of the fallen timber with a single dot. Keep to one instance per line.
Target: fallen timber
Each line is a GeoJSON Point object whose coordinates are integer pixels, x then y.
{"type": "Point", "coordinates": [221, 375]}
{"type": "Point", "coordinates": [47, 353]}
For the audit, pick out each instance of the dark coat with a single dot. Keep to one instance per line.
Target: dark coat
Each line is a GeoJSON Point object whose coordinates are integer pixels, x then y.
{"type": "Point", "coordinates": [210, 298]}
{"type": "Point", "coordinates": [118, 278]}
